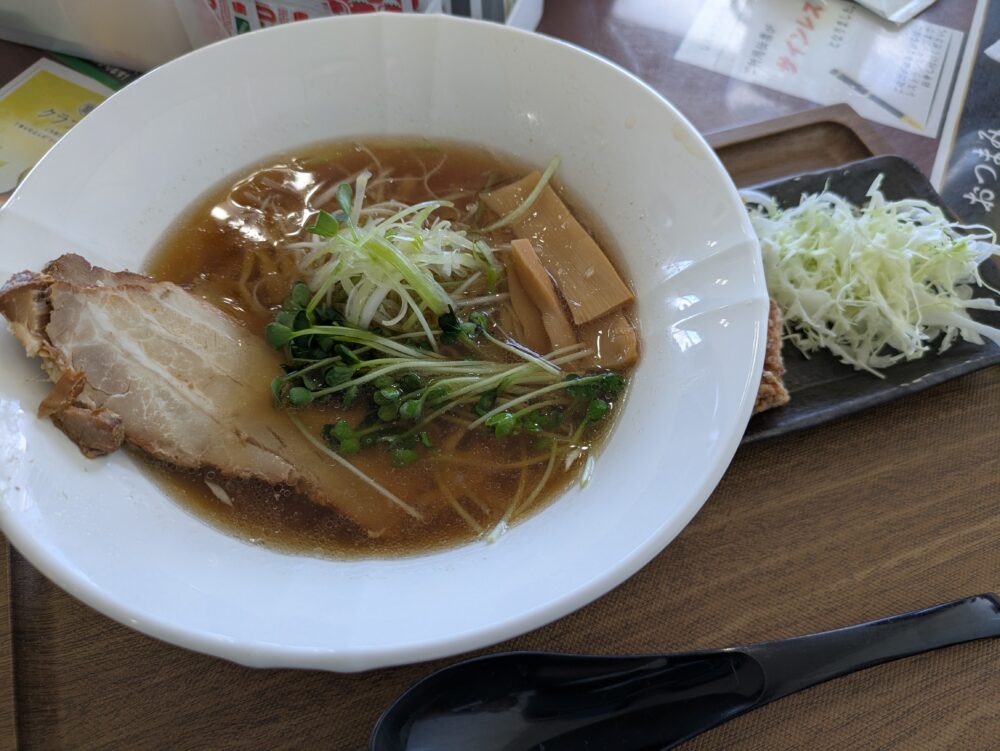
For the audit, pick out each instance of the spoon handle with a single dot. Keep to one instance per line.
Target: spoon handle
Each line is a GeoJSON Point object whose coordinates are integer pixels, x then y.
{"type": "Point", "coordinates": [791, 665]}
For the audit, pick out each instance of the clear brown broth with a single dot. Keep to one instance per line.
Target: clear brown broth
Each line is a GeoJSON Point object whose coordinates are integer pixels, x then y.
{"type": "Point", "coordinates": [205, 253]}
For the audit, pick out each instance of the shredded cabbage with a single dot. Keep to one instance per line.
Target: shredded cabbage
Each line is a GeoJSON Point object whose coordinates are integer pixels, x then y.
{"type": "Point", "coordinates": [875, 285]}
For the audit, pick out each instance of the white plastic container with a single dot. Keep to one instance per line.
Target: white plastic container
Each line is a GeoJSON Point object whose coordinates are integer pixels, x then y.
{"type": "Point", "coordinates": [141, 34]}
{"type": "Point", "coordinates": [135, 34]}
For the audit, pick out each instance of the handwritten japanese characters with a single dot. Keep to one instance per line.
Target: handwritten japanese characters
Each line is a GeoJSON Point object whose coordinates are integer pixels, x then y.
{"type": "Point", "coordinates": [985, 172]}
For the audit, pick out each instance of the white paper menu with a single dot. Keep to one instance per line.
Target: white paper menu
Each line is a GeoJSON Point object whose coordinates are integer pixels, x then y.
{"type": "Point", "coordinates": [830, 52]}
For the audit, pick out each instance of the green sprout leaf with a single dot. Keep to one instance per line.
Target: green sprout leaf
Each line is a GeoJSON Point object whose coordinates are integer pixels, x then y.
{"type": "Point", "coordinates": [485, 403]}
{"type": "Point", "coordinates": [454, 330]}
{"type": "Point", "coordinates": [387, 395]}
{"type": "Point", "coordinates": [341, 430]}
{"type": "Point", "coordinates": [585, 390]}
{"type": "Point", "coordinates": [349, 397]}
{"type": "Point", "coordinates": [345, 198]}
{"type": "Point", "coordinates": [410, 382]}
{"type": "Point", "coordinates": [327, 315]}
{"type": "Point", "coordinates": [544, 443]}
{"type": "Point", "coordinates": [597, 410]}
{"type": "Point", "coordinates": [342, 437]}
{"type": "Point", "coordinates": [347, 354]}
{"type": "Point", "coordinates": [503, 424]}
{"type": "Point", "coordinates": [612, 385]}
{"type": "Point", "coordinates": [303, 320]}
{"type": "Point", "coordinates": [350, 446]}
{"type": "Point", "coordinates": [338, 374]}
{"type": "Point", "coordinates": [300, 296]}
{"type": "Point", "coordinates": [538, 420]}
{"type": "Point", "coordinates": [532, 422]}
{"type": "Point", "coordinates": [325, 225]}
{"type": "Point", "coordinates": [410, 410]}
{"type": "Point", "coordinates": [278, 335]}
{"type": "Point", "coordinates": [299, 396]}
{"type": "Point", "coordinates": [277, 384]}
{"type": "Point", "coordinates": [404, 457]}
{"type": "Point", "coordinates": [437, 396]}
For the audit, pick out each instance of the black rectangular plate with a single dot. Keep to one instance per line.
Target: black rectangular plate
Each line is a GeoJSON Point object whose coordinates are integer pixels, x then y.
{"type": "Point", "coordinates": [824, 389]}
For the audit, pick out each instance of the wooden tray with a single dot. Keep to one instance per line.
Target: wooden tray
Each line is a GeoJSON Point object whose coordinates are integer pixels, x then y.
{"type": "Point", "coordinates": [805, 142]}
{"type": "Point", "coordinates": [808, 542]}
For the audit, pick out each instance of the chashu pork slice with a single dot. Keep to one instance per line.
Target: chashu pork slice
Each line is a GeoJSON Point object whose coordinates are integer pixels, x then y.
{"type": "Point", "coordinates": [148, 363]}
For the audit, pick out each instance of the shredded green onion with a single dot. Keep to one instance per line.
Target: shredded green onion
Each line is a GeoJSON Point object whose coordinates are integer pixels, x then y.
{"type": "Point", "coordinates": [387, 264]}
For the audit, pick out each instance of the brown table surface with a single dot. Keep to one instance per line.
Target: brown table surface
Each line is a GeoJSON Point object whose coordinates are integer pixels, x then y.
{"type": "Point", "coordinates": [887, 511]}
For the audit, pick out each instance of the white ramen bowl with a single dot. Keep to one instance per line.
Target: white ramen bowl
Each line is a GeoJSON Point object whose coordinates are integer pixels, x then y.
{"type": "Point", "coordinates": [102, 531]}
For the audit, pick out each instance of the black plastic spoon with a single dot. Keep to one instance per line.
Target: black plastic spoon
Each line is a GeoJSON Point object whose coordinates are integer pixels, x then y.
{"type": "Point", "coordinates": [556, 702]}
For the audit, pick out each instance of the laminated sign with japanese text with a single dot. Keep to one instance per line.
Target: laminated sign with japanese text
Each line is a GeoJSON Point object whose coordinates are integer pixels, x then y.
{"type": "Point", "coordinates": [37, 109]}
{"type": "Point", "coordinates": [831, 52]}
{"type": "Point", "coordinates": [972, 179]}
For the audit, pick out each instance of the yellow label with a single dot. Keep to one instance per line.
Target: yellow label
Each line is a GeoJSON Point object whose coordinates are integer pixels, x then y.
{"type": "Point", "coordinates": [34, 114]}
